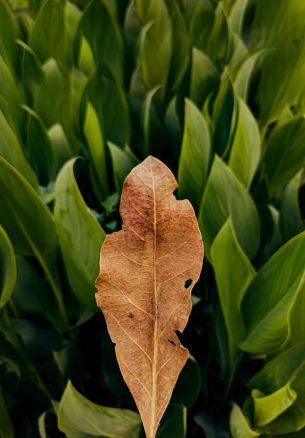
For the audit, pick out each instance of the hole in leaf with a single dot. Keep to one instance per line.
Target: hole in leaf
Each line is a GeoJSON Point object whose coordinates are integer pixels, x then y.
{"type": "Point", "coordinates": [171, 342]}
{"type": "Point", "coordinates": [130, 315]}
{"type": "Point", "coordinates": [188, 282]}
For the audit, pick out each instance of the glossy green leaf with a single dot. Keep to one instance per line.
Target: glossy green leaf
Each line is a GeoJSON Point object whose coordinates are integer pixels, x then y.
{"type": "Point", "coordinates": [86, 59]}
{"type": "Point", "coordinates": [224, 116]}
{"type": "Point", "coordinates": [245, 151]}
{"type": "Point", "coordinates": [284, 153]}
{"type": "Point", "coordinates": [237, 15]}
{"type": "Point", "coordinates": [78, 415]}
{"type": "Point", "coordinates": [103, 35]}
{"type": "Point", "coordinates": [279, 280]}
{"type": "Point", "coordinates": [8, 268]}
{"type": "Point", "coordinates": [296, 324]}
{"type": "Point", "coordinates": [291, 222]}
{"type": "Point", "coordinates": [225, 196]}
{"type": "Point", "coordinates": [62, 149]}
{"type": "Point", "coordinates": [232, 283]}
{"type": "Point", "coordinates": [97, 148]}
{"type": "Point", "coordinates": [239, 425]}
{"type": "Point", "coordinates": [10, 149]}
{"type": "Point", "coordinates": [268, 407]}
{"type": "Point", "coordinates": [6, 425]}
{"type": "Point", "coordinates": [39, 147]}
{"type": "Point", "coordinates": [204, 77]}
{"type": "Point", "coordinates": [123, 160]}
{"type": "Point", "coordinates": [80, 236]}
{"type": "Point", "coordinates": [195, 155]}
{"type": "Point", "coordinates": [52, 43]}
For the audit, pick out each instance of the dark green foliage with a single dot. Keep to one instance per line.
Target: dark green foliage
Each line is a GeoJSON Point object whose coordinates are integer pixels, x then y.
{"type": "Point", "coordinates": [88, 88]}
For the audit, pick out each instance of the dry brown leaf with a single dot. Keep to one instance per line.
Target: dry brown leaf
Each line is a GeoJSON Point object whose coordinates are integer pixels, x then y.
{"type": "Point", "coordinates": [147, 272]}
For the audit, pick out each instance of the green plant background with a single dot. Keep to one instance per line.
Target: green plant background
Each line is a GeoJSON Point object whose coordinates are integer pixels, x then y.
{"type": "Point", "coordinates": [214, 89]}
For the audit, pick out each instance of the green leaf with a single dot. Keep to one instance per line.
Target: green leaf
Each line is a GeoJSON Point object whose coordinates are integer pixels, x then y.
{"type": "Point", "coordinates": [245, 151]}
{"type": "Point", "coordinates": [204, 77]}
{"type": "Point", "coordinates": [195, 155]}
{"type": "Point", "coordinates": [104, 38]}
{"type": "Point", "coordinates": [284, 153]}
{"type": "Point", "coordinates": [29, 224]}
{"type": "Point", "coordinates": [287, 367]}
{"type": "Point", "coordinates": [296, 324]}
{"type": "Point", "coordinates": [155, 45]}
{"type": "Point", "coordinates": [279, 280]}
{"type": "Point", "coordinates": [123, 160]}
{"type": "Point", "coordinates": [9, 32]}
{"type": "Point", "coordinates": [11, 97]}
{"type": "Point", "coordinates": [291, 222]}
{"type": "Point", "coordinates": [173, 423]}
{"type": "Point", "coordinates": [268, 407]}
{"type": "Point", "coordinates": [85, 58]}
{"type": "Point", "coordinates": [239, 425]}
{"type": "Point", "coordinates": [39, 299]}
{"type": "Point", "coordinates": [243, 78]}
{"type": "Point", "coordinates": [39, 147]}
{"type": "Point", "coordinates": [49, 43]}
{"type": "Point", "coordinates": [109, 101]}
{"type": "Point", "coordinates": [72, 18]}
{"type": "Point", "coordinates": [237, 16]}
{"type": "Point", "coordinates": [282, 70]}
{"type": "Point", "coordinates": [224, 195]}
{"type": "Point", "coordinates": [60, 145]}
{"type": "Point", "coordinates": [224, 116]}
{"type": "Point", "coordinates": [6, 425]}
{"type": "Point", "coordinates": [188, 386]}
{"type": "Point", "coordinates": [78, 415]}
{"type": "Point", "coordinates": [80, 236]}
{"type": "Point", "coordinates": [97, 149]}
{"type": "Point", "coordinates": [232, 283]}
{"type": "Point", "coordinates": [10, 149]}
{"type": "Point", "coordinates": [8, 268]}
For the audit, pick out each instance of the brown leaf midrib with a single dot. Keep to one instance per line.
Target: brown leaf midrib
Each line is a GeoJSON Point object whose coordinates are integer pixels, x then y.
{"type": "Point", "coordinates": [156, 328]}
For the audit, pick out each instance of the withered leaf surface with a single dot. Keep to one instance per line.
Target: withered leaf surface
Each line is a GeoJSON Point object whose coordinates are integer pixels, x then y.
{"type": "Point", "coordinates": [147, 272]}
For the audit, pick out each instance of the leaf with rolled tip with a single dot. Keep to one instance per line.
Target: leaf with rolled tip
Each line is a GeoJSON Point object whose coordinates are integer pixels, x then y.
{"type": "Point", "coordinates": [123, 160]}
{"type": "Point", "coordinates": [239, 424]}
{"type": "Point", "coordinates": [8, 268]}
{"type": "Point", "coordinates": [50, 44]}
{"type": "Point", "coordinates": [78, 416]}
{"type": "Point", "coordinates": [97, 149]}
{"type": "Point", "coordinates": [10, 149]}
{"type": "Point", "coordinates": [143, 288]}
{"type": "Point", "coordinates": [279, 279]}
{"type": "Point", "coordinates": [39, 147]}
{"type": "Point", "coordinates": [284, 153]}
{"type": "Point", "coordinates": [291, 222]}
{"type": "Point", "coordinates": [232, 284]}
{"type": "Point", "coordinates": [204, 77]}
{"type": "Point", "coordinates": [288, 366]}
{"type": "Point", "coordinates": [267, 408]}
{"type": "Point", "coordinates": [80, 235]}
{"type": "Point", "coordinates": [224, 195]}
{"type": "Point", "coordinates": [246, 148]}
{"type": "Point", "coordinates": [6, 425]}
{"type": "Point", "coordinates": [224, 116]}
{"type": "Point", "coordinates": [103, 35]}
{"type": "Point", "coordinates": [195, 155]}
{"type": "Point", "coordinates": [9, 32]}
